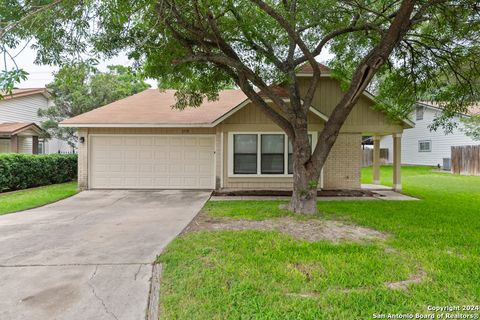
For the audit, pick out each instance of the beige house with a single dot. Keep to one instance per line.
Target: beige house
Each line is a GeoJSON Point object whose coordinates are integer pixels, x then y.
{"type": "Point", "coordinates": [140, 142]}
{"type": "Point", "coordinates": [19, 137]}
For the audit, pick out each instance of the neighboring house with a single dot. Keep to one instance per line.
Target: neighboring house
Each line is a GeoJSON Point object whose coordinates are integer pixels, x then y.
{"type": "Point", "coordinates": [141, 142]}
{"type": "Point", "coordinates": [19, 123]}
{"type": "Point", "coordinates": [421, 146]}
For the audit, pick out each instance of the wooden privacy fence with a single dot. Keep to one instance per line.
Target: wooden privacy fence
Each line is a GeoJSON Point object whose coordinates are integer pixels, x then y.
{"type": "Point", "coordinates": [466, 160]}
{"type": "Point", "coordinates": [367, 157]}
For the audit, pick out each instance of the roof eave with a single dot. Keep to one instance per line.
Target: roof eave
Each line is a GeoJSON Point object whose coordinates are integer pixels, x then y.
{"type": "Point", "coordinates": [30, 126]}
{"type": "Point", "coordinates": [136, 125]}
{"type": "Point", "coordinates": [409, 123]}
{"type": "Point", "coordinates": [423, 104]}
{"type": "Point", "coordinates": [43, 91]}
{"type": "Point", "coordinates": [306, 74]}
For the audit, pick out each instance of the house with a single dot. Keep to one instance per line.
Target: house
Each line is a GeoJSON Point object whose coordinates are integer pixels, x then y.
{"type": "Point", "coordinates": [141, 142]}
{"type": "Point", "coordinates": [420, 146]}
{"type": "Point", "coordinates": [20, 124]}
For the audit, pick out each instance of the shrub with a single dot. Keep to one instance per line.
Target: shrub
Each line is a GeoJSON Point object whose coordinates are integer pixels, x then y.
{"type": "Point", "coordinates": [21, 171]}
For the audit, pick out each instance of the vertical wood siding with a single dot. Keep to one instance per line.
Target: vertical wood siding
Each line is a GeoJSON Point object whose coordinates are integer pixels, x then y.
{"type": "Point", "coordinates": [252, 119]}
{"type": "Point", "coordinates": [363, 117]}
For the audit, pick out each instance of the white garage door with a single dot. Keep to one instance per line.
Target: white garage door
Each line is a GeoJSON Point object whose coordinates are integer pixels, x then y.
{"type": "Point", "coordinates": [152, 162]}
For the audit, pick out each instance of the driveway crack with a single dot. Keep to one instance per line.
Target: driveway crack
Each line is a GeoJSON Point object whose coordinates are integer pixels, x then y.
{"type": "Point", "coordinates": [97, 296]}
{"type": "Point", "coordinates": [136, 273]}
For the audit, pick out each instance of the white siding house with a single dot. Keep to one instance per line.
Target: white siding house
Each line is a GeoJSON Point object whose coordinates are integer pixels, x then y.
{"type": "Point", "coordinates": [421, 146]}
{"type": "Point", "coordinates": [22, 107]}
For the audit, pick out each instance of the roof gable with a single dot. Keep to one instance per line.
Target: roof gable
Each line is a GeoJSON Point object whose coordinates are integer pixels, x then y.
{"type": "Point", "coordinates": [13, 128]}
{"type": "Point", "coordinates": [25, 92]}
{"type": "Point", "coordinates": [153, 108]}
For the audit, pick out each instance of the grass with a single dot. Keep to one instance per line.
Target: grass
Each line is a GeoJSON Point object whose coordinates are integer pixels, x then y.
{"type": "Point", "coordinates": [255, 210]}
{"type": "Point", "coordinates": [258, 275]}
{"type": "Point", "coordinates": [35, 197]}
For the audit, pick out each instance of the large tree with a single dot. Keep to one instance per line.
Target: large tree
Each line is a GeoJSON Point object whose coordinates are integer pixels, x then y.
{"type": "Point", "coordinates": [397, 48]}
{"type": "Point", "coordinates": [472, 127]}
{"type": "Point", "coordinates": [79, 88]}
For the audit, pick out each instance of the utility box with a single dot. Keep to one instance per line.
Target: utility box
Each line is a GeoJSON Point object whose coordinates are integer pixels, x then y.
{"type": "Point", "coordinates": [447, 164]}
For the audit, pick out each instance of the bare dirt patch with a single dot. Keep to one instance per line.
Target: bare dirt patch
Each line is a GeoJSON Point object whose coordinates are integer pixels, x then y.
{"type": "Point", "coordinates": [418, 277]}
{"type": "Point", "coordinates": [403, 285]}
{"type": "Point", "coordinates": [310, 229]}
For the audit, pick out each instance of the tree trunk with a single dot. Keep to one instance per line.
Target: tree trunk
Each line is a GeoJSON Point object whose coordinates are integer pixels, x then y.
{"type": "Point", "coordinates": [305, 174]}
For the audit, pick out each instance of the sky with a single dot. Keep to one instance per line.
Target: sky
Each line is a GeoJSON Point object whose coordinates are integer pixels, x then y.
{"type": "Point", "coordinates": [40, 75]}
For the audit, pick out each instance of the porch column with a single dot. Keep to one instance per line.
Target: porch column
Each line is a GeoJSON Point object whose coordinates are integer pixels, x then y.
{"type": "Point", "coordinates": [397, 161]}
{"type": "Point", "coordinates": [376, 159]}
{"type": "Point", "coordinates": [34, 144]}
{"type": "Point", "coordinates": [14, 143]}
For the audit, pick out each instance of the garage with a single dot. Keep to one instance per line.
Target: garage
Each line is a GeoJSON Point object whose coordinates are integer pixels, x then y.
{"type": "Point", "coordinates": [151, 161]}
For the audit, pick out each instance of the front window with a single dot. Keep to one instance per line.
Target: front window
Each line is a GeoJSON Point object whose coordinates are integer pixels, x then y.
{"type": "Point", "coordinates": [262, 154]}
{"type": "Point", "coordinates": [273, 153]}
{"type": "Point", "coordinates": [245, 154]}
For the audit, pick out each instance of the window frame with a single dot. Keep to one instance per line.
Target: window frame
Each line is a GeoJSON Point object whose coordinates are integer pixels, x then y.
{"type": "Point", "coordinates": [265, 153]}
{"type": "Point", "coordinates": [256, 156]}
{"type": "Point", "coordinates": [41, 142]}
{"type": "Point", "coordinates": [423, 141]}
{"type": "Point", "coordinates": [230, 155]}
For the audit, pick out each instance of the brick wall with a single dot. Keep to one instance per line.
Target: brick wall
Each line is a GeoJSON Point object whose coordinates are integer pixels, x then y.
{"type": "Point", "coordinates": [83, 160]}
{"type": "Point", "coordinates": [342, 169]}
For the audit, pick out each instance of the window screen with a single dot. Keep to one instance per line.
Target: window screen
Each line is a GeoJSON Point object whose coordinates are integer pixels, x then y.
{"type": "Point", "coordinates": [245, 154]}
{"type": "Point", "coordinates": [41, 147]}
{"type": "Point", "coordinates": [273, 153]}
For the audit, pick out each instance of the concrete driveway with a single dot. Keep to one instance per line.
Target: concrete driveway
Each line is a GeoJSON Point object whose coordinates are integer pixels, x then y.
{"type": "Point", "coordinates": [89, 256]}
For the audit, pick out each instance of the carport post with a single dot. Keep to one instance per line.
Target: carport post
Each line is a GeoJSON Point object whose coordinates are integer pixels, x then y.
{"type": "Point", "coordinates": [397, 160]}
{"type": "Point", "coordinates": [14, 143]}
{"type": "Point", "coordinates": [376, 159]}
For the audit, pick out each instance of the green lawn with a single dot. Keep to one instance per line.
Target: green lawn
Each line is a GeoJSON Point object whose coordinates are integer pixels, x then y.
{"type": "Point", "coordinates": [258, 275]}
{"type": "Point", "coordinates": [35, 197]}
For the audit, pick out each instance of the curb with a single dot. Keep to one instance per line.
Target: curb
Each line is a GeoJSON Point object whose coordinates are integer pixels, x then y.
{"type": "Point", "coordinates": [153, 307]}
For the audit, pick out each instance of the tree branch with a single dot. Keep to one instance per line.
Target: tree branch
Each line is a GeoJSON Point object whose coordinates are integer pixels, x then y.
{"type": "Point", "coordinates": [361, 78]}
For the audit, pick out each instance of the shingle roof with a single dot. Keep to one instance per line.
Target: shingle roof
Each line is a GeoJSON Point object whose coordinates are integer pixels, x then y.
{"type": "Point", "coordinates": [473, 109]}
{"type": "Point", "coordinates": [10, 128]}
{"type": "Point", "coordinates": [16, 93]}
{"type": "Point", "coordinates": [155, 107]}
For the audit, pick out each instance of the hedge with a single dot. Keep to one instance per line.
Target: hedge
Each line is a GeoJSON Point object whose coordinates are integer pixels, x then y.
{"type": "Point", "coordinates": [21, 171]}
